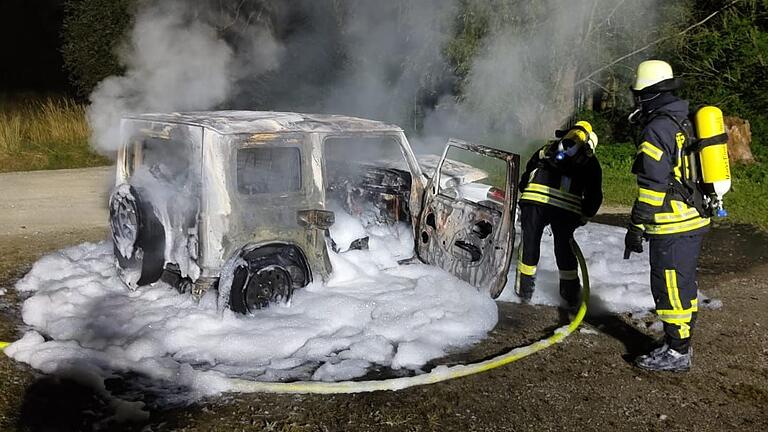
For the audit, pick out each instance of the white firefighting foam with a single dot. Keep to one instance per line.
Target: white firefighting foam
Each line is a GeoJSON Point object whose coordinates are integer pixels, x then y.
{"type": "Point", "coordinates": [617, 285]}
{"type": "Point", "coordinates": [372, 313]}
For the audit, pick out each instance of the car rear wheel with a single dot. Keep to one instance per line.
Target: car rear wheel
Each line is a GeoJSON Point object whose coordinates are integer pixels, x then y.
{"type": "Point", "coordinates": [259, 277]}
{"type": "Point", "coordinates": [254, 289]}
{"type": "Point", "coordinates": [138, 238]}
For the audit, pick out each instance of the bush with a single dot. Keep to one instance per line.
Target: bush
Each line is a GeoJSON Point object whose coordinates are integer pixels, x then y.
{"type": "Point", "coordinates": [619, 185]}
{"type": "Point", "coordinates": [725, 63]}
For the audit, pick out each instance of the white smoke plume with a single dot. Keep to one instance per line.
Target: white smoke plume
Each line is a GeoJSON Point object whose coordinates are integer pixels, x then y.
{"type": "Point", "coordinates": [173, 61]}
{"type": "Point", "coordinates": [521, 84]}
{"type": "Point", "coordinates": [381, 60]}
{"type": "Point", "coordinates": [394, 54]}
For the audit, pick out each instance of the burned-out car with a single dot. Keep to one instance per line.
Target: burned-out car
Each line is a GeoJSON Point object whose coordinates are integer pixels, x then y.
{"type": "Point", "coordinates": [244, 201]}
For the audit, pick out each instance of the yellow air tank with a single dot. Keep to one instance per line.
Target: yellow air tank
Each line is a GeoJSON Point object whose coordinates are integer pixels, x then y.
{"type": "Point", "coordinates": [715, 167]}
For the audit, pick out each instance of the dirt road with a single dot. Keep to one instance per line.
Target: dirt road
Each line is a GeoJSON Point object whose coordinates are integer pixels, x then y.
{"type": "Point", "coordinates": [54, 201]}
{"type": "Point", "coordinates": [585, 383]}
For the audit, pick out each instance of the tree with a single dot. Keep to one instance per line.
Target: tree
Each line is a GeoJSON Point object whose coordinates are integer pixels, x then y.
{"type": "Point", "coordinates": [725, 61]}
{"type": "Point", "coordinates": [92, 33]}
{"type": "Point", "coordinates": [538, 53]}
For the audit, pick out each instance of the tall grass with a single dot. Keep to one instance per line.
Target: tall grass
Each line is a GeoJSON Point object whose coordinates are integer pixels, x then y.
{"type": "Point", "coordinates": [44, 133]}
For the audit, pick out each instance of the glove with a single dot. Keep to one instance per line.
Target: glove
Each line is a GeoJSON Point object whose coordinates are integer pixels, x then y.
{"type": "Point", "coordinates": [633, 240]}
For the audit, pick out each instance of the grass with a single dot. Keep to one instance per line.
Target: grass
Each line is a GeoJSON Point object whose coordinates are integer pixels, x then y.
{"type": "Point", "coordinates": [619, 186]}
{"type": "Point", "coordinates": [44, 133]}
{"type": "Point", "coordinates": [747, 201]}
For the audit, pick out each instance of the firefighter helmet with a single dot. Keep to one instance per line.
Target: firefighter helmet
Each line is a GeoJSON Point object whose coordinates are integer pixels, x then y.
{"type": "Point", "coordinates": [574, 139]}
{"type": "Point", "coordinates": [655, 76]}
{"type": "Point", "coordinates": [579, 132]}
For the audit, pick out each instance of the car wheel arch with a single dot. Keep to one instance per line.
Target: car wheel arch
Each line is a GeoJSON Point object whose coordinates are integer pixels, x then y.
{"type": "Point", "coordinates": [254, 257]}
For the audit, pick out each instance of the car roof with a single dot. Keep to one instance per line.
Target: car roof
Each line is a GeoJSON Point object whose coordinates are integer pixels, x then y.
{"type": "Point", "coordinates": [235, 122]}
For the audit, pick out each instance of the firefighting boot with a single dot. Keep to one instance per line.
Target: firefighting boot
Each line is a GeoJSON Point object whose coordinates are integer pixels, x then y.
{"type": "Point", "coordinates": [525, 287]}
{"type": "Point", "coordinates": [665, 359]}
{"type": "Point", "coordinates": [569, 291]}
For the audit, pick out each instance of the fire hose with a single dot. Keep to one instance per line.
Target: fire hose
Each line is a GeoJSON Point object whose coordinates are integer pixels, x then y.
{"type": "Point", "coordinates": [436, 375]}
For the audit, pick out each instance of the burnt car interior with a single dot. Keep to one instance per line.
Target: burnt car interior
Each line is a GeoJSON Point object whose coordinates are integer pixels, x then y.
{"type": "Point", "coordinates": [364, 178]}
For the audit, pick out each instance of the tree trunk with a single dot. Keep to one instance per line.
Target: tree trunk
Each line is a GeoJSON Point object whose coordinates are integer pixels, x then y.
{"type": "Point", "coordinates": [739, 139]}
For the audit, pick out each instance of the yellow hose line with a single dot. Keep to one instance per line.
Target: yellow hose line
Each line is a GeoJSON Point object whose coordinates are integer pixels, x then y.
{"type": "Point", "coordinates": [438, 374]}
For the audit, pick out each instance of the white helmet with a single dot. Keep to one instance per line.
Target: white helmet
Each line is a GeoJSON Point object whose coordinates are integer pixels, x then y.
{"type": "Point", "coordinates": [655, 76]}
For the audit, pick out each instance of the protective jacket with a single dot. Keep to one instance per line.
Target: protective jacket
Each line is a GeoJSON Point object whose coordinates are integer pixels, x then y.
{"type": "Point", "coordinates": [574, 184]}
{"type": "Point", "coordinates": [660, 208]}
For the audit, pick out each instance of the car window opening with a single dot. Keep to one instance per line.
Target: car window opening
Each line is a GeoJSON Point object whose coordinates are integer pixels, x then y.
{"type": "Point", "coordinates": [262, 170]}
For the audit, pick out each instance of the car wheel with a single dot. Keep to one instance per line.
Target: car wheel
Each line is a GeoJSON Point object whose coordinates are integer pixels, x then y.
{"type": "Point", "coordinates": [256, 288]}
{"type": "Point", "coordinates": [138, 238]}
{"type": "Point", "coordinates": [258, 276]}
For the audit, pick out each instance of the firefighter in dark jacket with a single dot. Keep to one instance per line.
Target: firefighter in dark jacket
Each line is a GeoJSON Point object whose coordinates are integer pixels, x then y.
{"type": "Point", "coordinates": [662, 212]}
{"type": "Point", "coordinates": [561, 187]}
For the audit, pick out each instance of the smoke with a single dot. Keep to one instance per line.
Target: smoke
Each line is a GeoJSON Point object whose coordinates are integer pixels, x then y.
{"type": "Point", "coordinates": [516, 80]}
{"type": "Point", "coordinates": [521, 85]}
{"type": "Point", "coordinates": [174, 60]}
{"type": "Point", "coordinates": [395, 57]}
{"type": "Point", "coordinates": [382, 60]}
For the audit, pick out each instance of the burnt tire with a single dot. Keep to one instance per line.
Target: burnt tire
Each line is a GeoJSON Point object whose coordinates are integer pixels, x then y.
{"type": "Point", "coordinates": [256, 289]}
{"type": "Point", "coordinates": [267, 275]}
{"type": "Point", "coordinates": [138, 237]}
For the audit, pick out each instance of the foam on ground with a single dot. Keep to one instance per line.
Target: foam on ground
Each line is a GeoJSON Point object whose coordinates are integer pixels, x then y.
{"type": "Point", "coordinates": [617, 285]}
{"type": "Point", "coordinates": [373, 313]}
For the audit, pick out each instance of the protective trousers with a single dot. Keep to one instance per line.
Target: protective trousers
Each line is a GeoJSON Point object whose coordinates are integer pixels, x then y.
{"type": "Point", "coordinates": [533, 219]}
{"type": "Point", "coordinates": [673, 285]}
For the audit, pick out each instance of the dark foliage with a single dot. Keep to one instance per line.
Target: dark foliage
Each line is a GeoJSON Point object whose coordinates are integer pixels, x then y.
{"type": "Point", "coordinates": [92, 32]}
{"type": "Point", "coordinates": [725, 62]}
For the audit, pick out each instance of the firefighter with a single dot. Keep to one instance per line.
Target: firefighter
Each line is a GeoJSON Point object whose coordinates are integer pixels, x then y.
{"type": "Point", "coordinates": [561, 187]}
{"type": "Point", "coordinates": [665, 212]}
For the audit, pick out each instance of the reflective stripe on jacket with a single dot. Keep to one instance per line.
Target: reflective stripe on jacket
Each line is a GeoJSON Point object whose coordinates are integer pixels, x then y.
{"type": "Point", "coordinates": [659, 207]}
{"type": "Point", "coordinates": [544, 194]}
{"type": "Point", "coordinates": [579, 191]}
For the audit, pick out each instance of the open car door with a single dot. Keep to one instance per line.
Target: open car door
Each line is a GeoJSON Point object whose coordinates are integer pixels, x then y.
{"type": "Point", "coordinates": [468, 229]}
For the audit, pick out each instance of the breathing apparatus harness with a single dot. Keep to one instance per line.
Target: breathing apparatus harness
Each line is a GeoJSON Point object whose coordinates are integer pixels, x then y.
{"type": "Point", "coordinates": [690, 186]}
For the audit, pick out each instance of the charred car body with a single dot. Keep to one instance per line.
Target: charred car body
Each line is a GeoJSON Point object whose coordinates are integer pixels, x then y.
{"type": "Point", "coordinates": [243, 201]}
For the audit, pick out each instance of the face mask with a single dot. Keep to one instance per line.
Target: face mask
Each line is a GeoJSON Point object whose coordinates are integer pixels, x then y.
{"type": "Point", "coordinates": [636, 116]}
{"type": "Point", "coordinates": [562, 153]}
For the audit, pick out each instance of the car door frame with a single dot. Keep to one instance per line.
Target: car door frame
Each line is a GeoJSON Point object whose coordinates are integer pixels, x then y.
{"type": "Point", "coordinates": [439, 227]}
